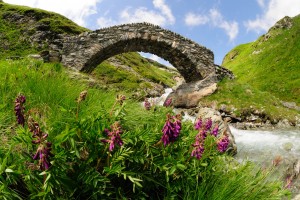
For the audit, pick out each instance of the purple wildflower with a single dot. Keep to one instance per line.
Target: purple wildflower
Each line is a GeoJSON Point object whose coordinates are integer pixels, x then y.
{"type": "Point", "coordinates": [177, 126]}
{"type": "Point", "coordinates": [171, 129]}
{"type": "Point", "coordinates": [203, 133]}
{"type": "Point", "coordinates": [223, 143]}
{"type": "Point", "coordinates": [120, 99]}
{"type": "Point", "coordinates": [43, 151]}
{"type": "Point", "coordinates": [114, 136]}
{"type": "Point", "coordinates": [19, 109]}
{"type": "Point", "coordinates": [208, 124]}
{"type": "Point", "coordinates": [215, 130]}
{"type": "Point", "coordinates": [168, 102]}
{"type": "Point", "coordinates": [288, 182]}
{"type": "Point", "coordinates": [198, 146]}
{"type": "Point", "coordinates": [147, 104]}
{"type": "Point", "coordinates": [82, 96]}
{"type": "Point", "coordinates": [198, 124]}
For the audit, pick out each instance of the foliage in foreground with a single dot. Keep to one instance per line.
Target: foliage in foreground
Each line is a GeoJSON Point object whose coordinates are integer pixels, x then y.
{"type": "Point", "coordinates": [82, 162]}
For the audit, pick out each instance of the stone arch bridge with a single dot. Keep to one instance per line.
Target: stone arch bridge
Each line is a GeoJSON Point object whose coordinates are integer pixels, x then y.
{"type": "Point", "coordinates": [193, 61]}
{"type": "Point", "coordinates": [85, 51]}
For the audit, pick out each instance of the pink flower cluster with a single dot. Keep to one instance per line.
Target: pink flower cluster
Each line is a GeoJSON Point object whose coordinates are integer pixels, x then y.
{"type": "Point", "coordinates": [19, 109]}
{"type": "Point", "coordinates": [114, 136]}
{"type": "Point", "coordinates": [147, 104]}
{"type": "Point", "coordinates": [43, 152]}
{"type": "Point", "coordinates": [168, 102]}
{"type": "Point", "coordinates": [171, 129]}
{"type": "Point", "coordinates": [204, 129]}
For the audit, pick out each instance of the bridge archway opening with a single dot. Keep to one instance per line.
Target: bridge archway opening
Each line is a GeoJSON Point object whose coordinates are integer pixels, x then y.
{"type": "Point", "coordinates": [157, 59]}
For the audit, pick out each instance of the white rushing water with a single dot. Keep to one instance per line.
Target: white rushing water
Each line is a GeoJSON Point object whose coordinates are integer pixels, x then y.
{"type": "Point", "coordinates": [159, 100]}
{"type": "Point", "coordinates": [264, 146]}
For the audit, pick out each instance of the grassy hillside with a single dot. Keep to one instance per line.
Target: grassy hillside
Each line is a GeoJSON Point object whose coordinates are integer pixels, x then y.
{"type": "Point", "coordinates": [18, 25]}
{"type": "Point", "coordinates": [132, 72]}
{"type": "Point", "coordinates": [271, 63]}
{"type": "Point", "coordinates": [267, 72]}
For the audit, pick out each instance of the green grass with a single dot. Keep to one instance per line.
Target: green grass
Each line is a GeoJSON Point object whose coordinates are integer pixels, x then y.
{"type": "Point", "coordinates": [146, 69]}
{"type": "Point", "coordinates": [243, 99]}
{"type": "Point", "coordinates": [144, 74]}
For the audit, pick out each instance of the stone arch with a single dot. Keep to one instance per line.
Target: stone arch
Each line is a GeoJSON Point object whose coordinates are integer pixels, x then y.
{"type": "Point", "coordinates": [84, 52]}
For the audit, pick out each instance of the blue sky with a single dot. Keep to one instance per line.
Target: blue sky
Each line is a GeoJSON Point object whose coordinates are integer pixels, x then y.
{"type": "Point", "coordinates": [218, 25]}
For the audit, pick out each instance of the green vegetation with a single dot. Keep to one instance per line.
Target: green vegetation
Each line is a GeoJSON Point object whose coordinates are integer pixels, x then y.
{"type": "Point", "coordinates": [19, 23]}
{"type": "Point", "coordinates": [140, 76]}
{"type": "Point", "coordinates": [272, 64]}
{"type": "Point", "coordinates": [267, 71]}
{"type": "Point", "coordinates": [148, 70]}
{"type": "Point", "coordinates": [243, 99]}
{"type": "Point", "coordinates": [82, 167]}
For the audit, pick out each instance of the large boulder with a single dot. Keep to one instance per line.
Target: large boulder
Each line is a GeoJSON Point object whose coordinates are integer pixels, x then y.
{"type": "Point", "coordinates": [188, 95]}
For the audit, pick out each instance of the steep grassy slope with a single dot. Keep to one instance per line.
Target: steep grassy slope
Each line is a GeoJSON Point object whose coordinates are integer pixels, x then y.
{"type": "Point", "coordinates": [271, 63]}
{"type": "Point", "coordinates": [20, 26]}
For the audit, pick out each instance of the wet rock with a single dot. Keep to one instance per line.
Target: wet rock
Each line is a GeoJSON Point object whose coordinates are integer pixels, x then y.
{"type": "Point", "coordinates": [290, 105]}
{"type": "Point", "coordinates": [283, 124]}
{"type": "Point", "coordinates": [35, 56]}
{"type": "Point", "coordinates": [288, 146]}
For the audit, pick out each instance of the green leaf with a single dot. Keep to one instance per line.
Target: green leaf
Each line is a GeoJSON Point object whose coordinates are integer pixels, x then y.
{"type": "Point", "coordinates": [204, 164]}
{"type": "Point", "coordinates": [181, 166]}
{"type": "Point", "coordinates": [8, 170]}
{"type": "Point", "coordinates": [43, 173]}
{"type": "Point", "coordinates": [173, 169]}
{"type": "Point", "coordinates": [3, 165]}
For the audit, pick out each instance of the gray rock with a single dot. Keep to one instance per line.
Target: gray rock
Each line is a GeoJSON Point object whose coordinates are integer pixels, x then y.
{"type": "Point", "coordinates": [291, 105]}
{"type": "Point", "coordinates": [35, 56]}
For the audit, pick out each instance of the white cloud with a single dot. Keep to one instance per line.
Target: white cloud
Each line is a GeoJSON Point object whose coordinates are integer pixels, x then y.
{"type": "Point", "coordinates": [76, 10]}
{"type": "Point", "coordinates": [273, 10]}
{"type": "Point", "coordinates": [261, 3]}
{"type": "Point", "coordinates": [142, 15]}
{"type": "Point", "coordinates": [165, 9]}
{"type": "Point", "coordinates": [192, 19]}
{"type": "Point", "coordinates": [215, 18]}
{"type": "Point", "coordinates": [106, 22]}
{"type": "Point", "coordinates": [231, 28]}
{"type": "Point", "coordinates": [162, 15]}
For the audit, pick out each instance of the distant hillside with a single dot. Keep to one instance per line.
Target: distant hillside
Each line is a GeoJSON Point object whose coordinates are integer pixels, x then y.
{"type": "Point", "coordinates": [25, 30]}
{"type": "Point", "coordinates": [22, 28]}
{"type": "Point", "coordinates": [272, 62]}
